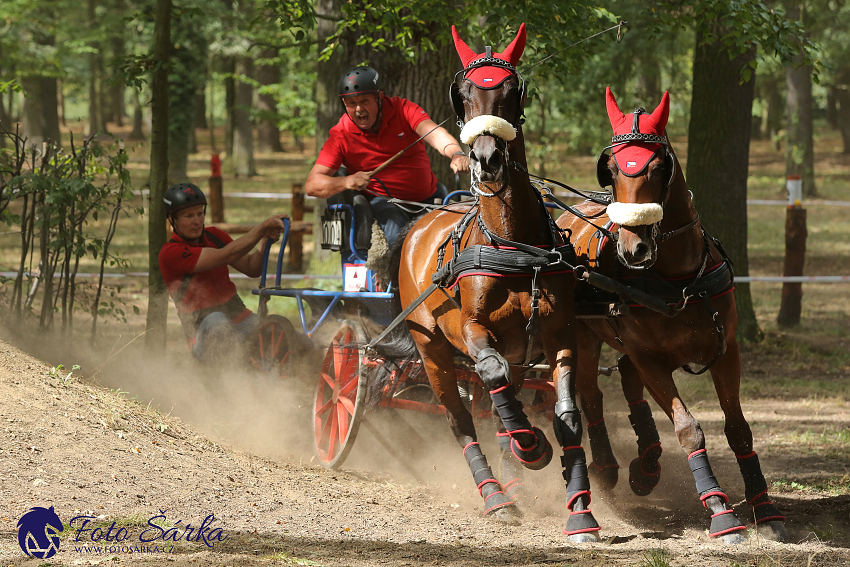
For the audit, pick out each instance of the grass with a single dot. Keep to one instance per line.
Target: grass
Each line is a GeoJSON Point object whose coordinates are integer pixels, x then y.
{"type": "Point", "coordinates": [659, 557]}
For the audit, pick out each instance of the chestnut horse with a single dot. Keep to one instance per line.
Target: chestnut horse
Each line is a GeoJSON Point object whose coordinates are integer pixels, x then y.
{"type": "Point", "coordinates": [661, 248]}
{"type": "Point", "coordinates": [507, 289]}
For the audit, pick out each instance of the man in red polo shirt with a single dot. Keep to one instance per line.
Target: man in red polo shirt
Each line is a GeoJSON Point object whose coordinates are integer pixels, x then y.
{"type": "Point", "coordinates": [373, 129]}
{"type": "Point", "coordinates": [194, 266]}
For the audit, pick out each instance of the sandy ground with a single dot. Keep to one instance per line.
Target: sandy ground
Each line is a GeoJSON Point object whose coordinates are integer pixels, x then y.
{"type": "Point", "coordinates": [404, 497]}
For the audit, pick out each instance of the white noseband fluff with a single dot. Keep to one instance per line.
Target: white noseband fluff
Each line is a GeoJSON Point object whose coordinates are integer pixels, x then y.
{"type": "Point", "coordinates": [499, 127]}
{"type": "Point", "coordinates": [635, 214]}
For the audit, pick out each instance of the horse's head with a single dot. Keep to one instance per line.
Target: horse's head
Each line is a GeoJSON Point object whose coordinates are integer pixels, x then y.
{"type": "Point", "coordinates": [489, 101]}
{"type": "Point", "coordinates": [640, 169]}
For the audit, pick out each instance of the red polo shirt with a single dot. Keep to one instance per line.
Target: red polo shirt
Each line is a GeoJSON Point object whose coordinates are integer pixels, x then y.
{"type": "Point", "coordinates": [410, 176]}
{"type": "Point", "coordinates": [206, 289]}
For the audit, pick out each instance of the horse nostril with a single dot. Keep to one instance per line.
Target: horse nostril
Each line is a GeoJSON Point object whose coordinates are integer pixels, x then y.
{"type": "Point", "coordinates": [472, 156]}
{"type": "Point", "coordinates": [494, 161]}
{"type": "Point", "coordinates": [641, 250]}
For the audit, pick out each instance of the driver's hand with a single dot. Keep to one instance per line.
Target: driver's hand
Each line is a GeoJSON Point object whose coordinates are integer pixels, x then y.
{"type": "Point", "coordinates": [357, 181]}
{"type": "Point", "coordinates": [460, 163]}
{"type": "Point", "coordinates": [273, 226]}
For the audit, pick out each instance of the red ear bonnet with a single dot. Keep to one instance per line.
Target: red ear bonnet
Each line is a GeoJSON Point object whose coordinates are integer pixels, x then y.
{"type": "Point", "coordinates": [490, 76]}
{"type": "Point", "coordinates": [632, 157]}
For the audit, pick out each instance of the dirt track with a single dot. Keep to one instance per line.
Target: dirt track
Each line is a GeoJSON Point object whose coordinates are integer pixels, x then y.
{"type": "Point", "coordinates": [87, 450]}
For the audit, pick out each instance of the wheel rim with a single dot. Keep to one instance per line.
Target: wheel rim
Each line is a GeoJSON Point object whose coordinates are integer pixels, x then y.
{"type": "Point", "coordinates": [272, 349]}
{"type": "Point", "coordinates": [336, 395]}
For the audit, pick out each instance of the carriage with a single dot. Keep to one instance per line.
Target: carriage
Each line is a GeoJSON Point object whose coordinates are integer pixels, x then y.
{"type": "Point", "coordinates": [331, 337]}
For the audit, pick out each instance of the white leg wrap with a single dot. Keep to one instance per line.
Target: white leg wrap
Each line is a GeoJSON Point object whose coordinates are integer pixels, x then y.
{"type": "Point", "coordinates": [499, 127]}
{"type": "Point", "coordinates": [635, 214]}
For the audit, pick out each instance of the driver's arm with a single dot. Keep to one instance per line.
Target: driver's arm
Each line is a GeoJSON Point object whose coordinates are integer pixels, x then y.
{"type": "Point", "coordinates": [321, 182]}
{"type": "Point", "coordinates": [235, 253]}
{"type": "Point", "coordinates": [445, 143]}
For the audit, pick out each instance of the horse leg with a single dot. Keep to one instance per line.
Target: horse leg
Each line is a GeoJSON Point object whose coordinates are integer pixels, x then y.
{"type": "Point", "coordinates": [645, 470]}
{"type": "Point", "coordinates": [726, 373]}
{"type": "Point", "coordinates": [438, 361]}
{"type": "Point", "coordinates": [659, 380]}
{"type": "Point", "coordinates": [510, 473]}
{"type": "Point", "coordinates": [603, 469]}
{"type": "Point", "coordinates": [527, 443]}
{"type": "Point", "coordinates": [581, 525]}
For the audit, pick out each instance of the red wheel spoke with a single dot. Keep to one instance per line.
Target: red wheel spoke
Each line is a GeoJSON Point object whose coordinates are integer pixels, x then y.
{"type": "Point", "coordinates": [344, 421]}
{"type": "Point", "coordinates": [326, 430]}
{"type": "Point", "coordinates": [256, 364]}
{"type": "Point", "coordinates": [329, 380]}
{"type": "Point", "coordinates": [333, 420]}
{"type": "Point", "coordinates": [349, 387]}
{"type": "Point", "coordinates": [347, 404]}
{"type": "Point", "coordinates": [276, 345]}
{"type": "Point", "coordinates": [262, 348]}
{"type": "Point", "coordinates": [338, 357]}
{"type": "Point", "coordinates": [322, 410]}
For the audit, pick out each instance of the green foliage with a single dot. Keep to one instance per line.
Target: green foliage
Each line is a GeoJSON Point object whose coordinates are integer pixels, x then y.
{"type": "Point", "coordinates": [741, 25]}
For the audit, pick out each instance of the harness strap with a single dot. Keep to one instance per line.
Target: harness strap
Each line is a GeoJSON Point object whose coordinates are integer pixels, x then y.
{"type": "Point", "coordinates": [403, 315]}
{"type": "Point", "coordinates": [721, 337]}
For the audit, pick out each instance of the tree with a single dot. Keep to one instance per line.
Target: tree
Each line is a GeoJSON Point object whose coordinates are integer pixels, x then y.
{"type": "Point", "coordinates": [800, 148]}
{"type": "Point", "coordinates": [728, 35]}
{"type": "Point", "coordinates": [268, 75]}
{"type": "Point", "coordinates": [157, 316]}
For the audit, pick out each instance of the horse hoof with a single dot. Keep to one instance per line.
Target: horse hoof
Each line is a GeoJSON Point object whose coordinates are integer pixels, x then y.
{"type": "Point", "coordinates": [773, 531]}
{"type": "Point", "coordinates": [640, 482]}
{"type": "Point", "coordinates": [734, 538]}
{"type": "Point", "coordinates": [534, 459]}
{"type": "Point", "coordinates": [587, 537]}
{"type": "Point", "coordinates": [604, 477]}
{"type": "Point", "coordinates": [508, 515]}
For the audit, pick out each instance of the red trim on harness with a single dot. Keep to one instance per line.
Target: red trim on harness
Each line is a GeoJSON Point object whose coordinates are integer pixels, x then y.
{"type": "Point", "coordinates": [753, 454]}
{"type": "Point", "coordinates": [576, 495]}
{"type": "Point", "coordinates": [571, 448]}
{"type": "Point", "coordinates": [497, 390]}
{"type": "Point", "coordinates": [581, 512]}
{"type": "Point", "coordinates": [595, 423]}
{"type": "Point", "coordinates": [497, 275]}
{"type": "Point", "coordinates": [771, 519]}
{"type": "Point", "coordinates": [520, 459]}
{"type": "Point", "coordinates": [511, 483]}
{"type": "Point", "coordinates": [469, 445]}
{"type": "Point", "coordinates": [697, 452]}
{"type": "Point", "coordinates": [638, 402]}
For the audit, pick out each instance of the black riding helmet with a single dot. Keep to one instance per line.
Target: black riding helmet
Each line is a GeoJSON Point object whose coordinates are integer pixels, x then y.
{"type": "Point", "coordinates": [360, 80]}
{"type": "Point", "coordinates": [181, 196]}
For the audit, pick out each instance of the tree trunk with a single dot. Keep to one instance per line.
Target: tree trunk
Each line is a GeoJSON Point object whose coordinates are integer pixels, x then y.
{"type": "Point", "coordinates": [41, 106]}
{"type": "Point", "coordinates": [800, 151]}
{"type": "Point", "coordinates": [157, 316]}
{"type": "Point", "coordinates": [268, 133]}
{"type": "Point", "coordinates": [40, 112]}
{"type": "Point", "coordinates": [718, 156]}
{"type": "Point", "coordinates": [118, 90]}
{"type": "Point", "coordinates": [842, 93]}
{"type": "Point", "coordinates": [229, 65]}
{"type": "Point", "coordinates": [201, 108]}
{"type": "Point", "coordinates": [94, 114]}
{"type": "Point", "coordinates": [138, 132]}
{"type": "Point", "coordinates": [832, 107]}
{"type": "Point", "coordinates": [243, 129]}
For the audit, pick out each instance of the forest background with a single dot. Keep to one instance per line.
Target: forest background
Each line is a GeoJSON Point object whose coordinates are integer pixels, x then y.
{"type": "Point", "coordinates": [83, 86]}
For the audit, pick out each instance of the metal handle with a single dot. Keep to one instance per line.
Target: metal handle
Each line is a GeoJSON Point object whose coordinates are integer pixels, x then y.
{"type": "Point", "coordinates": [283, 241]}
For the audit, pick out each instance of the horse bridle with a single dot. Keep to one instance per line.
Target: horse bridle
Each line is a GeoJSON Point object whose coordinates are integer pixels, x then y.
{"type": "Point", "coordinates": [605, 178]}
{"type": "Point", "coordinates": [456, 100]}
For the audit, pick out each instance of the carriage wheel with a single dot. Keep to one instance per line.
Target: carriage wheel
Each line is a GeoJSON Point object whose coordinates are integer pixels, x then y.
{"type": "Point", "coordinates": [273, 346]}
{"type": "Point", "coordinates": [340, 396]}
